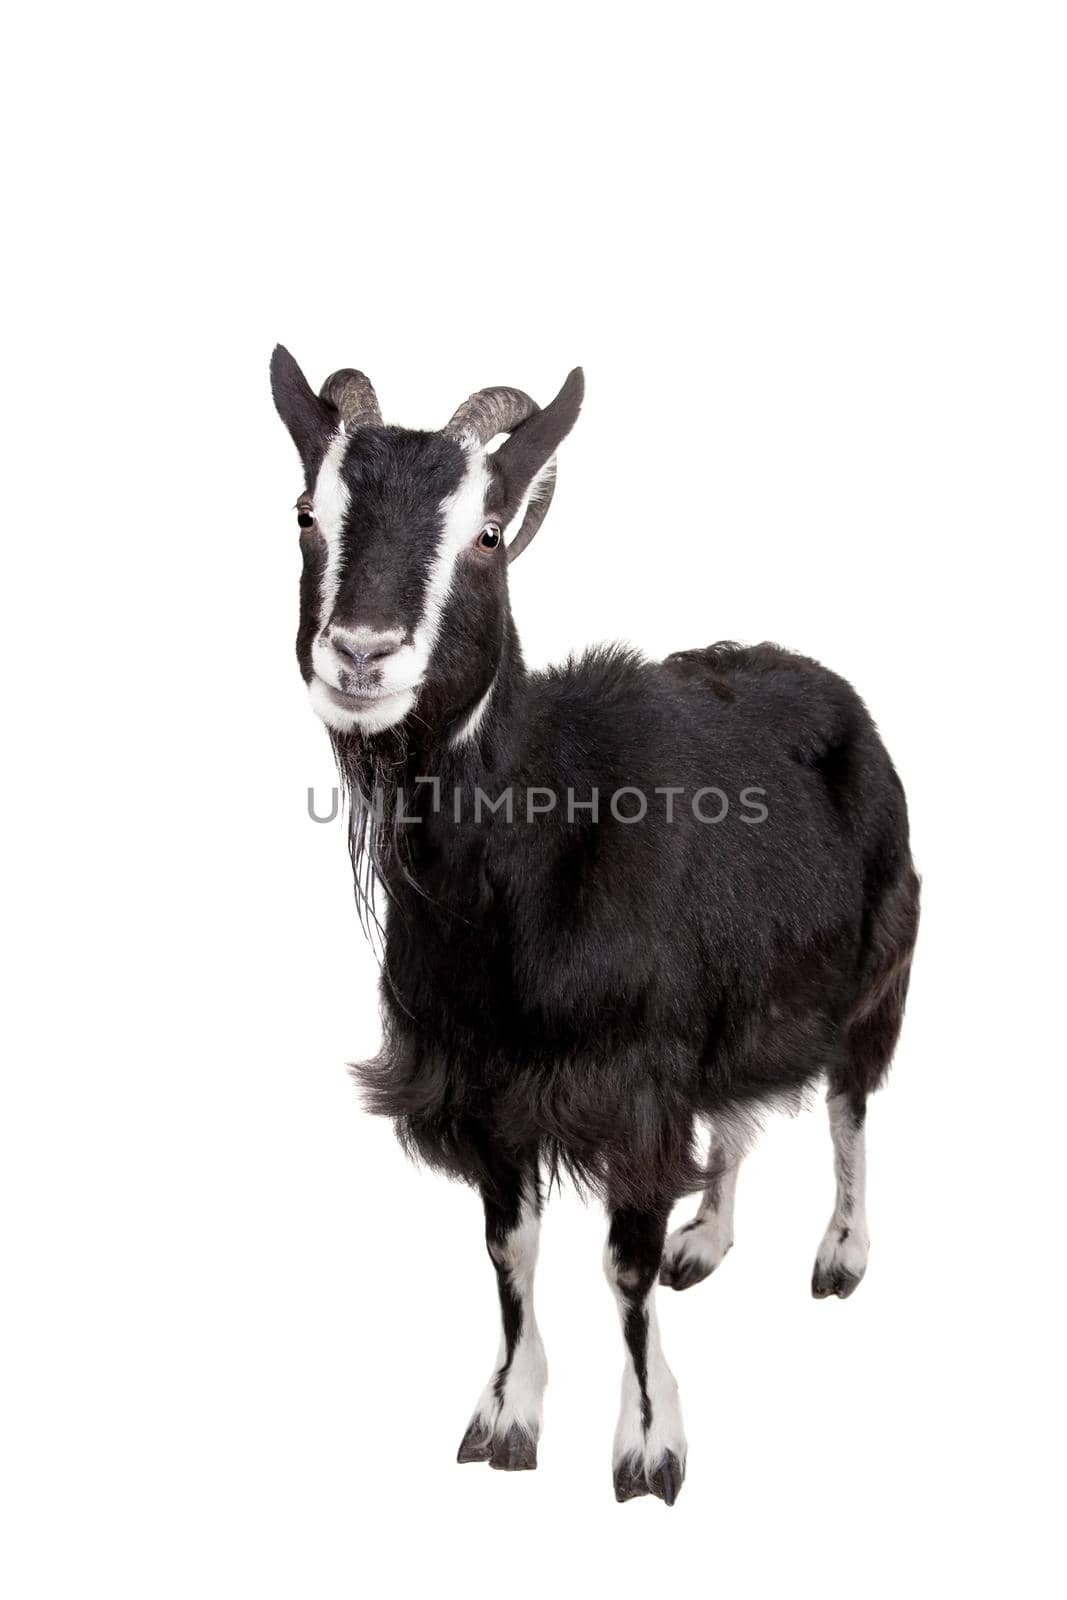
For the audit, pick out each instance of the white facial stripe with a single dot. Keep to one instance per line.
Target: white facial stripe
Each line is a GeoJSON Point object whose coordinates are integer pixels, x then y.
{"type": "Point", "coordinates": [461, 516]}
{"type": "Point", "coordinates": [331, 499]}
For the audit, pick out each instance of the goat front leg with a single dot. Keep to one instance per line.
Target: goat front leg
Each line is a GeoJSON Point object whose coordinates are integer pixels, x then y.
{"type": "Point", "coordinates": [650, 1448]}
{"type": "Point", "coordinates": [507, 1419]}
{"type": "Point", "coordinates": [696, 1248]}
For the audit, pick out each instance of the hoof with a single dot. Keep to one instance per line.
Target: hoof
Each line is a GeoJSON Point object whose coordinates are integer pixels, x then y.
{"type": "Point", "coordinates": [666, 1478]}
{"type": "Point", "coordinates": [831, 1280]}
{"type": "Point", "coordinates": [477, 1443]}
{"type": "Point", "coordinates": [693, 1252]}
{"type": "Point", "coordinates": [840, 1262]}
{"type": "Point", "coordinates": [630, 1479]}
{"type": "Point", "coordinates": [683, 1274]}
{"type": "Point", "coordinates": [513, 1451]}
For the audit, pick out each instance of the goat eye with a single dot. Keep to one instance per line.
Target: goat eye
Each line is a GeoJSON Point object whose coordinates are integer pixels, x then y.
{"type": "Point", "coordinates": [489, 537]}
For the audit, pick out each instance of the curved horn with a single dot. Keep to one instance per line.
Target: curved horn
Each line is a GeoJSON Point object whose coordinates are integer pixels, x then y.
{"type": "Point", "coordinates": [536, 511]}
{"type": "Point", "coordinates": [489, 412]}
{"type": "Point", "coordinates": [353, 395]}
{"type": "Point", "coordinates": [481, 418]}
{"type": "Point", "coordinates": [525, 465]}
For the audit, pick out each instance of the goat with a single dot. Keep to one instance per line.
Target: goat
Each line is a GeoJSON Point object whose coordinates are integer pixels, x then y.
{"type": "Point", "coordinates": [574, 980]}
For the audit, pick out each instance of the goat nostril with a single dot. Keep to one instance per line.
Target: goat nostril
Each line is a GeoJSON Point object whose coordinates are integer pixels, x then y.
{"type": "Point", "coordinates": [346, 650]}
{"type": "Point", "coordinates": [362, 649]}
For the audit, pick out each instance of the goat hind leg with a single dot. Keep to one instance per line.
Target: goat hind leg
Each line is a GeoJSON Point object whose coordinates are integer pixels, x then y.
{"type": "Point", "coordinates": [872, 1036]}
{"type": "Point", "coordinates": [842, 1258]}
{"type": "Point", "coordinates": [506, 1424]}
{"type": "Point", "coordinates": [694, 1250]}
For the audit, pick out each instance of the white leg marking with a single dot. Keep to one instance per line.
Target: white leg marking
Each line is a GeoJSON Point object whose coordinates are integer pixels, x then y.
{"type": "Point", "coordinates": [461, 515]}
{"type": "Point", "coordinates": [650, 1429]}
{"type": "Point", "coordinates": [506, 1423]}
{"type": "Point", "coordinates": [842, 1258]}
{"type": "Point", "coordinates": [694, 1250]}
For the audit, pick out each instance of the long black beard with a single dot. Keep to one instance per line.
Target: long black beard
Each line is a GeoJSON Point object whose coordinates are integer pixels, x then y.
{"type": "Point", "coordinates": [370, 771]}
{"type": "Point", "coordinates": [373, 775]}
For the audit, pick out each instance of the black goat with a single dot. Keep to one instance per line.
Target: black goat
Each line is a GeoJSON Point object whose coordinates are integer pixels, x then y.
{"type": "Point", "coordinates": [623, 896]}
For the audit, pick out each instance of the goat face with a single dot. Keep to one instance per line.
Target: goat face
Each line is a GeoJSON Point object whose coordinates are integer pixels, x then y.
{"type": "Point", "coordinates": [403, 597]}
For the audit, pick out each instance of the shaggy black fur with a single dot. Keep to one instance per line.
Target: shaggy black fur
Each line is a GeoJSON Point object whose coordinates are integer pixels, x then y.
{"type": "Point", "coordinates": [586, 988]}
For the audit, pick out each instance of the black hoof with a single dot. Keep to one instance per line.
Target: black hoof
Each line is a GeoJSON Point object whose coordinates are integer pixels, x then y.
{"type": "Point", "coordinates": [829, 1281]}
{"type": "Point", "coordinates": [630, 1479]}
{"type": "Point", "coordinates": [683, 1274]}
{"type": "Point", "coordinates": [666, 1480]}
{"type": "Point", "coordinates": [514, 1451]}
{"type": "Point", "coordinates": [477, 1443]}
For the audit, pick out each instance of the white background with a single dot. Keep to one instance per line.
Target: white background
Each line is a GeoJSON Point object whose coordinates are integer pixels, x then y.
{"type": "Point", "coordinates": [812, 259]}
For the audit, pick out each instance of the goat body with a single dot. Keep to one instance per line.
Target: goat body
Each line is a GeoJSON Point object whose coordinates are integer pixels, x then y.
{"type": "Point", "coordinates": [585, 988]}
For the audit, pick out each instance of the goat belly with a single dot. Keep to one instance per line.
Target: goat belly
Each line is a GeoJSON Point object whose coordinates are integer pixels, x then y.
{"type": "Point", "coordinates": [603, 1118]}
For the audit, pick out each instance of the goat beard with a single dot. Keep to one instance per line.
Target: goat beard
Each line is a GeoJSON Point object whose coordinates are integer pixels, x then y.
{"type": "Point", "coordinates": [371, 772]}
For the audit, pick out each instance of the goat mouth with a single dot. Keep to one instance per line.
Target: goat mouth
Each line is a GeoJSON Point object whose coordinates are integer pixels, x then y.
{"type": "Point", "coordinates": [363, 699]}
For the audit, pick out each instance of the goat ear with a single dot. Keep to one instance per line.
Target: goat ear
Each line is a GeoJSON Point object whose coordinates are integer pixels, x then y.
{"type": "Point", "coordinates": [311, 421]}
{"type": "Point", "coordinates": [528, 451]}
